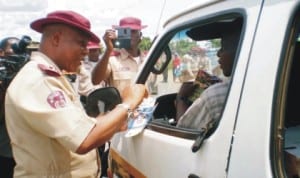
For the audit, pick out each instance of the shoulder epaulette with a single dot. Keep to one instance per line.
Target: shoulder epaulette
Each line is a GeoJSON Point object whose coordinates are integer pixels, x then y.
{"type": "Point", "coordinates": [49, 70]}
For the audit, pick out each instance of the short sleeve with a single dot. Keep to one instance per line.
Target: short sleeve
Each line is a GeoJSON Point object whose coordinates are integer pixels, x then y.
{"type": "Point", "coordinates": [53, 110]}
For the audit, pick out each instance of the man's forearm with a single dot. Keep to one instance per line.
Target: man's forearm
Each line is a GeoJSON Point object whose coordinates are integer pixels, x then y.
{"type": "Point", "coordinates": [100, 73]}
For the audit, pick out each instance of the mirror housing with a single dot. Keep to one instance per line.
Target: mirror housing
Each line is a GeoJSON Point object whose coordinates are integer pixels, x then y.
{"type": "Point", "coordinates": [102, 100]}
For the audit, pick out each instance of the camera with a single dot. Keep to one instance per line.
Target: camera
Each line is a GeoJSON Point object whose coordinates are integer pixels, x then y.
{"type": "Point", "coordinates": [10, 65]}
{"type": "Point", "coordinates": [123, 38]}
{"type": "Point", "coordinates": [20, 47]}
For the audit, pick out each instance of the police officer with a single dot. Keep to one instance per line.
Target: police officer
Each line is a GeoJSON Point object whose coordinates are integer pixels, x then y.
{"type": "Point", "coordinates": [50, 132]}
{"type": "Point", "coordinates": [119, 67]}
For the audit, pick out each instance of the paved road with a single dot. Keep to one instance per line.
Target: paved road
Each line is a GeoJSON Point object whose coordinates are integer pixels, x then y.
{"type": "Point", "coordinates": [166, 87]}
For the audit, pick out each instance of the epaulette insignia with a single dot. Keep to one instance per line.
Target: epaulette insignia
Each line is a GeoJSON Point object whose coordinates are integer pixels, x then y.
{"type": "Point", "coordinates": [115, 53]}
{"type": "Point", "coordinates": [49, 70]}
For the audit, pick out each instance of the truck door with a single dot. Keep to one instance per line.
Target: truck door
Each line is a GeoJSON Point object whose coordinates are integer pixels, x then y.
{"type": "Point", "coordinates": [266, 138]}
{"type": "Point", "coordinates": [164, 149]}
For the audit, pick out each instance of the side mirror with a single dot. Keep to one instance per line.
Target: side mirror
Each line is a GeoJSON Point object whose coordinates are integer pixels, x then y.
{"type": "Point", "coordinates": [163, 61]}
{"type": "Point", "coordinates": [102, 100]}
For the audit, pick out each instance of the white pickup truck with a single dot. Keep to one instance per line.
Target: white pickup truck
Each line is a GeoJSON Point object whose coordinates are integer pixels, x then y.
{"type": "Point", "coordinates": [257, 135]}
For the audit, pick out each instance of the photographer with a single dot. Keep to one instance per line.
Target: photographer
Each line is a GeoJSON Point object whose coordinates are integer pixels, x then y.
{"type": "Point", "coordinates": [119, 67]}
{"type": "Point", "coordinates": [6, 158]}
{"type": "Point", "coordinates": [12, 57]}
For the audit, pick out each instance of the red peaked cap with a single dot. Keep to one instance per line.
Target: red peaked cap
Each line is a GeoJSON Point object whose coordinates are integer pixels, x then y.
{"type": "Point", "coordinates": [93, 45]}
{"type": "Point", "coordinates": [66, 17]}
{"type": "Point", "coordinates": [130, 22]}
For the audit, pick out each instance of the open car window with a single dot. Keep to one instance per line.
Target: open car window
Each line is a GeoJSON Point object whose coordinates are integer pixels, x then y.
{"type": "Point", "coordinates": [191, 58]}
{"type": "Point", "coordinates": [188, 56]}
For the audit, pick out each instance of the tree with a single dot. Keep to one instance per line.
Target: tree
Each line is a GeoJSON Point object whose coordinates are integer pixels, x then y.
{"type": "Point", "coordinates": [215, 43]}
{"type": "Point", "coordinates": [182, 46]}
{"type": "Point", "coordinates": [145, 44]}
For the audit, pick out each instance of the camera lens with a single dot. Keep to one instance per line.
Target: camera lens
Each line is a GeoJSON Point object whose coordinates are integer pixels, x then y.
{"type": "Point", "coordinates": [24, 42]}
{"type": "Point", "coordinates": [20, 47]}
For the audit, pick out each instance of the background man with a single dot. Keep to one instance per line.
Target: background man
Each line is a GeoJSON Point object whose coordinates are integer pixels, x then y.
{"type": "Point", "coordinates": [82, 80]}
{"type": "Point", "coordinates": [6, 158]}
{"type": "Point", "coordinates": [118, 68]}
{"type": "Point", "coordinates": [93, 56]}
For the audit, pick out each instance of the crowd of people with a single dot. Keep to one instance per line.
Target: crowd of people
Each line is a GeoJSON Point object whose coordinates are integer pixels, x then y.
{"type": "Point", "coordinates": [46, 132]}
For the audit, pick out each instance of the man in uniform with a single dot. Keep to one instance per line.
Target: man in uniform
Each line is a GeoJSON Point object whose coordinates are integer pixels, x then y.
{"type": "Point", "coordinates": [119, 67]}
{"type": "Point", "coordinates": [51, 134]}
{"type": "Point", "coordinates": [82, 81]}
{"type": "Point", "coordinates": [94, 55]}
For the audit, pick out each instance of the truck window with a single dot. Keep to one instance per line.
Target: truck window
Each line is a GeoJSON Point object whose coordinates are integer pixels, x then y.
{"type": "Point", "coordinates": [195, 53]}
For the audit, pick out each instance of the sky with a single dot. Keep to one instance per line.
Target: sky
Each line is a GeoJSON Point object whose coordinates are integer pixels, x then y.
{"type": "Point", "coordinates": [16, 15]}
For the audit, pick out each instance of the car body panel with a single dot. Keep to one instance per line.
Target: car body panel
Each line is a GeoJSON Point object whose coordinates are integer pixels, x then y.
{"type": "Point", "coordinates": [240, 146]}
{"type": "Point", "coordinates": [265, 61]}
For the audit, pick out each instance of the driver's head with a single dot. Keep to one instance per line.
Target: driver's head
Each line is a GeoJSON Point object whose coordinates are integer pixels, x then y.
{"type": "Point", "coordinates": [226, 54]}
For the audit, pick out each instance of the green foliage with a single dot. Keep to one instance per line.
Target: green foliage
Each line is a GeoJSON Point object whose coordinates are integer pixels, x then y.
{"type": "Point", "coordinates": [145, 44]}
{"type": "Point", "coordinates": [182, 46]}
{"type": "Point", "coordinates": [215, 43]}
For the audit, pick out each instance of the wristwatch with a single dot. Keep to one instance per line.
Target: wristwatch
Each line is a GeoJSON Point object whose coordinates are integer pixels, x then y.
{"type": "Point", "coordinates": [127, 107]}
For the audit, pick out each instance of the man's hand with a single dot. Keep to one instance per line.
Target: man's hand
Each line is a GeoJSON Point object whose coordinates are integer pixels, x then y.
{"type": "Point", "coordinates": [109, 36]}
{"type": "Point", "coordinates": [134, 94]}
{"type": "Point", "coordinates": [187, 89]}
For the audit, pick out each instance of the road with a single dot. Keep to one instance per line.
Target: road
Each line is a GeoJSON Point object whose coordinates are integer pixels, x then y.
{"type": "Point", "coordinates": [166, 87]}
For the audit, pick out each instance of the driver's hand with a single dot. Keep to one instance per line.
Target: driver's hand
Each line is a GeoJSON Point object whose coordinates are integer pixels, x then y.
{"type": "Point", "coordinates": [187, 88]}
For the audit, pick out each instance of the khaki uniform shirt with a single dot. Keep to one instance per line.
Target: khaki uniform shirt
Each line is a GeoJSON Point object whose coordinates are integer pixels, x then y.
{"type": "Point", "coordinates": [47, 124]}
{"type": "Point", "coordinates": [83, 84]}
{"type": "Point", "coordinates": [124, 69]}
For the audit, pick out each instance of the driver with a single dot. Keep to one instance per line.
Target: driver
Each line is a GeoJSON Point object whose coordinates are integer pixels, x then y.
{"type": "Point", "coordinates": [207, 109]}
